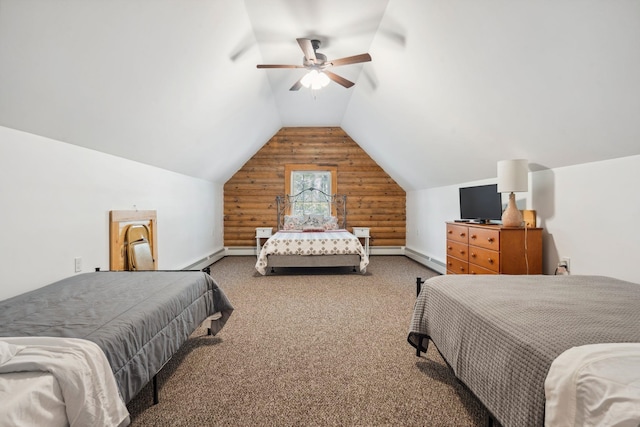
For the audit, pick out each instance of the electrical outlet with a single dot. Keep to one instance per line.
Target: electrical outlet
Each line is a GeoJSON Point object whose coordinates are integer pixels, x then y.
{"type": "Point", "coordinates": [78, 264]}
{"type": "Point", "coordinates": [566, 263]}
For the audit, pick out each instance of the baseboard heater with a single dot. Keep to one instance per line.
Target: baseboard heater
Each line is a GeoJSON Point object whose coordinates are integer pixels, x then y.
{"type": "Point", "coordinates": [426, 260]}
{"type": "Point", "coordinates": [206, 261]}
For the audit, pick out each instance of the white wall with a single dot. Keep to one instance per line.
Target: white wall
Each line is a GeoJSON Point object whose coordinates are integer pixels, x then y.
{"type": "Point", "coordinates": [588, 213]}
{"type": "Point", "coordinates": [55, 202]}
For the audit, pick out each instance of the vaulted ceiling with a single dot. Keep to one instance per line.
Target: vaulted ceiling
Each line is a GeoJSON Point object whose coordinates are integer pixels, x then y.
{"type": "Point", "coordinates": [453, 87]}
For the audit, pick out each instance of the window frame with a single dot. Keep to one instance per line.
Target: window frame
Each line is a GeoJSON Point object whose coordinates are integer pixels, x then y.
{"type": "Point", "coordinates": [290, 168]}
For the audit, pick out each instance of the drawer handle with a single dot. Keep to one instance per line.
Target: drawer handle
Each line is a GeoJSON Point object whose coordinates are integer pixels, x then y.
{"type": "Point", "coordinates": [461, 252]}
{"type": "Point", "coordinates": [490, 239]}
{"type": "Point", "coordinates": [462, 234]}
{"type": "Point", "coordinates": [473, 254]}
{"type": "Point", "coordinates": [474, 237]}
{"type": "Point", "coordinates": [449, 231]}
{"type": "Point", "coordinates": [461, 268]}
{"type": "Point", "coordinates": [490, 260]}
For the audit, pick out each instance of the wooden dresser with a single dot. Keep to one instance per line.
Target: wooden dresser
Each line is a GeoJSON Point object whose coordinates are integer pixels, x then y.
{"type": "Point", "coordinates": [493, 249]}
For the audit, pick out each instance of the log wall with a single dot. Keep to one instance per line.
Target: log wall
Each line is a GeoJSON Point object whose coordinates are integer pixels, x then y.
{"type": "Point", "coordinates": [373, 199]}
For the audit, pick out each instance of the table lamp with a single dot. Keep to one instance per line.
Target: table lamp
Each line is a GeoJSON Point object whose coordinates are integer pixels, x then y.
{"type": "Point", "coordinates": [513, 176]}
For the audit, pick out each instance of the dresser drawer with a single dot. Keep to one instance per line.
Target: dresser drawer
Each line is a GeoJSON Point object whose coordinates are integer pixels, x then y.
{"type": "Point", "coordinates": [459, 233]}
{"type": "Point", "coordinates": [475, 269]}
{"type": "Point", "coordinates": [457, 266]}
{"type": "Point", "coordinates": [458, 250]}
{"type": "Point", "coordinates": [484, 258]}
{"type": "Point", "coordinates": [484, 237]}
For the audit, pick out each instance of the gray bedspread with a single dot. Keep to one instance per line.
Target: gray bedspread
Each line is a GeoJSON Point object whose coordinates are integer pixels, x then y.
{"type": "Point", "coordinates": [139, 319]}
{"type": "Point", "coordinates": [500, 334]}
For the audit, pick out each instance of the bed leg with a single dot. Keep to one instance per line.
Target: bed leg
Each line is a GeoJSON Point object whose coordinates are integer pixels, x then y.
{"type": "Point", "coordinates": [489, 421]}
{"type": "Point", "coordinates": [155, 389]}
{"type": "Point", "coordinates": [419, 344]}
{"type": "Point", "coordinates": [207, 270]}
{"type": "Point", "coordinates": [419, 283]}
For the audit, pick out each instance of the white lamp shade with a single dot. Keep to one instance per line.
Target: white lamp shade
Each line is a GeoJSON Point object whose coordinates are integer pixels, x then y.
{"type": "Point", "coordinates": [513, 176]}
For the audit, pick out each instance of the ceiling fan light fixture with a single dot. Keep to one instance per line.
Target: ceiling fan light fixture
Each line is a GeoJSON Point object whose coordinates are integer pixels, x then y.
{"type": "Point", "coordinates": [316, 62]}
{"type": "Point", "coordinates": [315, 80]}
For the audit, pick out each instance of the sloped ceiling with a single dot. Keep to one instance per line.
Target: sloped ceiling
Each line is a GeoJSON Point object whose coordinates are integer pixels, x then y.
{"type": "Point", "coordinates": [454, 86]}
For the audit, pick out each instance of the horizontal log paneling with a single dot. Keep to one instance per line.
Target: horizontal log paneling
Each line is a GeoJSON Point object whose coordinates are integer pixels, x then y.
{"type": "Point", "coordinates": [374, 199]}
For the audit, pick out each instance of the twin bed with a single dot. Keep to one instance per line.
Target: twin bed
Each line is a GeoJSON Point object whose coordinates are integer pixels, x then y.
{"type": "Point", "coordinates": [538, 350]}
{"type": "Point", "coordinates": [307, 238]}
{"type": "Point", "coordinates": [138, 320]}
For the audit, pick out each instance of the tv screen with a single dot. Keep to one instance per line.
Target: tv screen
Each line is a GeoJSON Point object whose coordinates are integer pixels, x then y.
{"type": "Point", "coordinates": [481, 203]}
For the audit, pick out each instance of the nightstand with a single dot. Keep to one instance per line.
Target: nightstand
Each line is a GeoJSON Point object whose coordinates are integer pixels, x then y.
{"type": "Point", "coordinates": [262, 233]}
{"type": "Point", "coordinates": [362, 233]}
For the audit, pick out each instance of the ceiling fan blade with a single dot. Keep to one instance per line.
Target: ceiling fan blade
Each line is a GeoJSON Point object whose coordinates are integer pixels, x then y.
{"type": "Point", "coordinates": [297, 85]}
{"type": "Point", "coordinates": [340, 80]}
{"type": "Point", "coordinates": [363, 57]}
{"type": "Point", "coordinates": [307, 49]}
{"type": "Point", "coordinates": [278, 66]}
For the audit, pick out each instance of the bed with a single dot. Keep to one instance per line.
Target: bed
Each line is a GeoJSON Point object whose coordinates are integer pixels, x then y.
{"type": "Point", "coordinates": [138, 319]}
{"type": "Point", "coordinates": [57, 382]}
{"type": "Point", "coordinates": [312, 232]}
{"type": "Point", "coordinates": [501, 336]}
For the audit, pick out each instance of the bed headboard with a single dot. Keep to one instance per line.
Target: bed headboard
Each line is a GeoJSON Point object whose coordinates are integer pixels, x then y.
{"type": "Point", "coordinates": [298, 203]}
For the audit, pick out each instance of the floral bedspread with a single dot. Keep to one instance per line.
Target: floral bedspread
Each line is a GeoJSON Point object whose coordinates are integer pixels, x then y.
{"type": "Point", "coordinates": [330, 242]}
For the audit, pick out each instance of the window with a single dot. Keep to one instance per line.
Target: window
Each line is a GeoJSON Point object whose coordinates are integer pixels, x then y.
{"type": "Point", "coordinates": [303, 177]}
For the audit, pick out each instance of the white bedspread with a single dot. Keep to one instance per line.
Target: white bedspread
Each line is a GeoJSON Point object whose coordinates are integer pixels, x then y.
{"type": "Point", "coordinates": [81, 371]}
{"type": "Point", "coordinates": [594, 385]}
{"type": "Point", "coordinates": [330, 242]}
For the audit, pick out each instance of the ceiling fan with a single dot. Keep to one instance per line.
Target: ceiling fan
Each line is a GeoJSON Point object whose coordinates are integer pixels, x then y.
{"type": "Point", "coordinates": [317, 65]}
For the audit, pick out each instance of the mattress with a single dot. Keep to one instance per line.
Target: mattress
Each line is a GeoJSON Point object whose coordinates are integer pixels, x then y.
{"type": "Point", "coordinates": [139, 319]}
{"type": "Point", "coordinates": [311, 244]}
{"type": "Point", "coordinates": [500, 334]}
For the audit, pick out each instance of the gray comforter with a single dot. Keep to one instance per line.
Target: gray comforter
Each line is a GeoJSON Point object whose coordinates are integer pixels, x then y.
{"type": "Point", "coordinates": [139, 319]}
{"type": "Point", "coordinates": [500, 334]}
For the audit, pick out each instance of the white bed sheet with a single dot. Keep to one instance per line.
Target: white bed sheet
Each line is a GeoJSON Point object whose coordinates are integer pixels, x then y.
{"type": "Point", "coordinates": [44, 373]}
{"type": "Point", "coordinates": [31, 399]}
{"type": "Point", "coordinates": [594, 385]}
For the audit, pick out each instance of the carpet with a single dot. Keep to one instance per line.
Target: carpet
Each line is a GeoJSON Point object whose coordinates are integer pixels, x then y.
{"type": "Point", "coordinates": [310, 347]}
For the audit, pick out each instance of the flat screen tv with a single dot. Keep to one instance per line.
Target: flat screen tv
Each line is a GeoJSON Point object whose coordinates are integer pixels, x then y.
{"type": "Point", "coordinates": [481, 203]}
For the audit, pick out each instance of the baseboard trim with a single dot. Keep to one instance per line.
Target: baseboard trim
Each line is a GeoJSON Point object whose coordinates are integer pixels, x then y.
{"type": "Point", "coordinates": [206, 261]}
{"type": "Point", "coordinates": [240, 250]}
{"type": "Point", "coordinates": [426, 260]}
{"type": "Point", "coordinates": [386, 250]}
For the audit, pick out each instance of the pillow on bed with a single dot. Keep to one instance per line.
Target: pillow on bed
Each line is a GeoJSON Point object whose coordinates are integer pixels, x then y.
{"type": "Point", "coordinates": [330, 223]}
{"type": "Point", "coordinates": [314, 221]}
{"type": "Point", "coordinates": [292, 222]}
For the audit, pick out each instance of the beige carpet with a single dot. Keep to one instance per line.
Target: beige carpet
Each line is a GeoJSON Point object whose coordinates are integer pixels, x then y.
{"type": "Point", "coordinates": [310, 349]}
